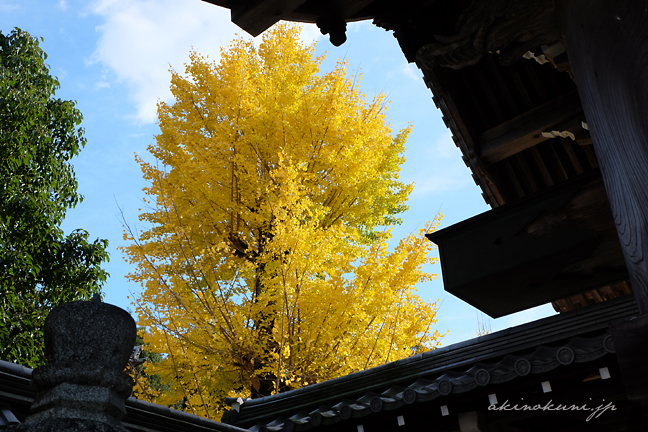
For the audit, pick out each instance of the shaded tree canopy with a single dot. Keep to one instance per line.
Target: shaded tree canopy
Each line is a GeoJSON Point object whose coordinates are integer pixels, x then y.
{"type": "Point", "coordinates": [40, 266]}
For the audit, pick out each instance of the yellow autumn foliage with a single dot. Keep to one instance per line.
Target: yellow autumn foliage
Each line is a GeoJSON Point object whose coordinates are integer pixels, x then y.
{"type": "Point", "coordinates": [266, 266]}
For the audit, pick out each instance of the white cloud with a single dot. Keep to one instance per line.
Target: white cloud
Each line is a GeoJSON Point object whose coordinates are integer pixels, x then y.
{"type": "Point", "coordinates": [311, 33]}
{"type": "Point", "coordinates": [442, 181]}
{"type": "Point", "coordinates": [139, 39]}
{"type": "Point", "coordinates": [358, 26]}
{"type": "Point", "coordinates": [445, 148]}
{"type": "Point", "coordinates": [411, 71]}
{"type": "Point", "coordinates": [63, 5]}
{"type": "Point", "coordinates": [447, 172]}
{"type": "Point", "coordinates": [6, 7]}
{"type": "Point", "coordinates": [102, 84]}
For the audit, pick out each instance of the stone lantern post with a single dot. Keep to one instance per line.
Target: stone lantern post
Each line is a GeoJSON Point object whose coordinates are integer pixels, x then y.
{"type": "Point", "coordinates": [84, 386]}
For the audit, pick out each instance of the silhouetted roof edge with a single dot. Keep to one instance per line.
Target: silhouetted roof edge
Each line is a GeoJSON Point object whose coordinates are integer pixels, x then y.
{"type": "Point", "coordinates": [544, 341]}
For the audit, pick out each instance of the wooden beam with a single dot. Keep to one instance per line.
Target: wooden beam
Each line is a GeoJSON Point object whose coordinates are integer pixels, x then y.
{"type": "Point", "coordinates": [607, 43]}
{"type": "Point", "coordinates": [256, 16]}
{"type": "Point", "coordinates": [476, 421]}
{"type": "Point", "coordinates": [469, 422]}
{"type": "Point", "coordinates": [545, 247]}
{"type": "Point", "coordinates": [629, 337]}
{"type": "Point", "coordinates": [525, 130]}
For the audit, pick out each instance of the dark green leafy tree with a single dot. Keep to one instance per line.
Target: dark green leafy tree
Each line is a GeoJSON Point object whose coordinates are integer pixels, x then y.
{"type": "Point", "coordinates": [40, 266]}
{"type": "Point", "coordinates": [147, 386]}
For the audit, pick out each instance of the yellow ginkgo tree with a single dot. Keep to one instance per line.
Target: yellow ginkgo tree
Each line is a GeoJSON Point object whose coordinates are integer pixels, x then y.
{"type": "Point", "coordinates": [265, 266]}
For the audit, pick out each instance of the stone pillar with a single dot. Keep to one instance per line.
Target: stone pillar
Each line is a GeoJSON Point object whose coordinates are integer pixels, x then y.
{"type": "Point", "coordinates": [84, 386]}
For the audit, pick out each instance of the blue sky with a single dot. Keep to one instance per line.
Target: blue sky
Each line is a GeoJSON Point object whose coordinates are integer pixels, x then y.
{"type": "Point", "coordinates": [113, 56]}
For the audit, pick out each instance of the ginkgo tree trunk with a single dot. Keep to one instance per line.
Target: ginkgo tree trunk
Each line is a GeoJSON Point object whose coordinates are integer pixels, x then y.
{"type": "Point", "coordinates": [266, 264]}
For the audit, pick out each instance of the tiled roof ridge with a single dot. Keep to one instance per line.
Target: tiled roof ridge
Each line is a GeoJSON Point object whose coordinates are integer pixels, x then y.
{"type": "Point", "coordinates": [543, 359]}
{"type": "Point", "coordinates": [542, 336]}
{"type": "Point", "coordinates": [17, 378]}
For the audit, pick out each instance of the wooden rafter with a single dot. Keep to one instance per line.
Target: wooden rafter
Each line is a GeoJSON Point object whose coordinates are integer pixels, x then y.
{"type": "Point", "coordinates": [525, 130]}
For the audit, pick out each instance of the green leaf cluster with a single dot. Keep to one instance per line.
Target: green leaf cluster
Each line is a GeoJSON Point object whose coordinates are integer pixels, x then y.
{"type": "Point", "coordinates": [40, 266]}
{"type": "Point", "coordinates": [147, 386]}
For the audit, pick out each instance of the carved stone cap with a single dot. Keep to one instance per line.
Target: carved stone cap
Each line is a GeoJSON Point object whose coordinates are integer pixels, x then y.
{"type": "Point", "coordinates": [87, 343]}
{"type": "Point", "coordinates": [89, 335]}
